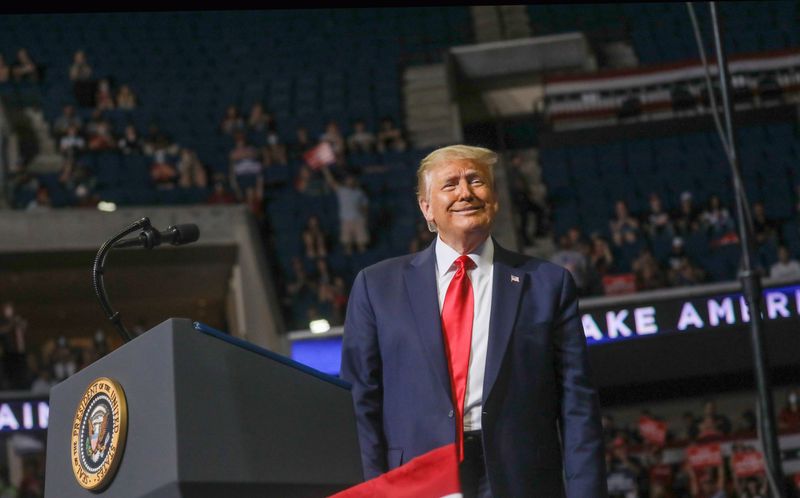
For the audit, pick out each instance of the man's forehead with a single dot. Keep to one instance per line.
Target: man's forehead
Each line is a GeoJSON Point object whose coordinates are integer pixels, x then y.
{"type": "Point", "coordinates": [453, 166]}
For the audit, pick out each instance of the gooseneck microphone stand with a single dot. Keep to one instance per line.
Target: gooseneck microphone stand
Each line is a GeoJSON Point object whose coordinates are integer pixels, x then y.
{"type": "Point", "coordinates": [97, 274]}
{"type": "Point", "coordinates": [750, 279]}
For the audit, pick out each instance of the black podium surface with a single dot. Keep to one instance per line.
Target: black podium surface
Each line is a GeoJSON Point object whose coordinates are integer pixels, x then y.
{"type": "Point", "coordinates": [212, 416]}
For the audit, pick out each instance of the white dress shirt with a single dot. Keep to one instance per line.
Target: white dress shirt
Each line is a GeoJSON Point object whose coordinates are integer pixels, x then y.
{"type": "Point", "coordinates": [481, 278]}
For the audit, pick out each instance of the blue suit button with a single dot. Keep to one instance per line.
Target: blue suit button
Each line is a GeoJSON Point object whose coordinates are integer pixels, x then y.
{"type": "Point", "coordinates": [451, 414]}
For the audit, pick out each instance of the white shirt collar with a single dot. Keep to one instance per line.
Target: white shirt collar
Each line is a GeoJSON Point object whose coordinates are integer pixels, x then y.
{"type": "Point", "coordinates": [445, 255]}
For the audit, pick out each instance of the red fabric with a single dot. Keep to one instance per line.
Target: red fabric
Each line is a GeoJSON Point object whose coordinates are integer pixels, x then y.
{"type": "Point", "coordinates": [457, 315]}
{"type": "Point", "coordinates": [797, 480]}
{"type": "Point", "coordinates": [319, 156]}
{"type": "Point", "coordinates": [748, 463]}
{"type": "Point", "coordinates": [432, 475]}
{"type": "Point", "coordinates": [652, 430]}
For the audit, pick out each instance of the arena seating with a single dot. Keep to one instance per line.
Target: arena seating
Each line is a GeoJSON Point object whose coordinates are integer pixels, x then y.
{"type": "Point", "coordinates": [661, 32]}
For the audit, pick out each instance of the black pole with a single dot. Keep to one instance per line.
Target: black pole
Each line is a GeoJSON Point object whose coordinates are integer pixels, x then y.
{"type": "Point", "coordinates": [97, 276]}
{"type": "Point", "coordinates": [751, 280]}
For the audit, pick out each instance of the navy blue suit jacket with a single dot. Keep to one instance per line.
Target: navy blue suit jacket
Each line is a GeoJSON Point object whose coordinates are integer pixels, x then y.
{"type": "Point", "coordinates": [542, 434]}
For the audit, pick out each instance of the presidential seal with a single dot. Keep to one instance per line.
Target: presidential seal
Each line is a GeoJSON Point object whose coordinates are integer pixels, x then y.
{"type": "Point", "coordinates": [98, 434]}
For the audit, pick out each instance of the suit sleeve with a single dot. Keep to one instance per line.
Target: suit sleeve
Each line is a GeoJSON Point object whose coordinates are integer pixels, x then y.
{"type": "Point", "coordinates": [581, 428]}
{"type": "Point", "coordinates": [361, 366]}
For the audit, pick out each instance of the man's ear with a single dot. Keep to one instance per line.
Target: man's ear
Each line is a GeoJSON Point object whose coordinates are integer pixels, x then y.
{"type": "Point", "coordinates": [427, 210]}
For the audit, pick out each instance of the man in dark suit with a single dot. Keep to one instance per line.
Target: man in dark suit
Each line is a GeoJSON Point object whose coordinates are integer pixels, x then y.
{"type": "Point", "coordinates": [470, 343]}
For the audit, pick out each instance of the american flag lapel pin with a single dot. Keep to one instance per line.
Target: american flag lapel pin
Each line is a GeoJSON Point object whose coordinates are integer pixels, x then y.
{"type": "Point", "coordinates": [515, 279]}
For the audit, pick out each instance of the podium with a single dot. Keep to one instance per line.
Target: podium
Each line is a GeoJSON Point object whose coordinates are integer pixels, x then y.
{"type": "Point", "coordinates": [208, 415]}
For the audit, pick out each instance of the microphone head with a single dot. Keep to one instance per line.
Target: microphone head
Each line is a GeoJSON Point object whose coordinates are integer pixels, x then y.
{"type": "Point", "coordinates": [185, 233]}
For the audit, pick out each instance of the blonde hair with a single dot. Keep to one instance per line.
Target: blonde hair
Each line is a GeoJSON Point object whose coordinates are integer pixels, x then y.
{"type": "Point", "coordinates": [478, 155]}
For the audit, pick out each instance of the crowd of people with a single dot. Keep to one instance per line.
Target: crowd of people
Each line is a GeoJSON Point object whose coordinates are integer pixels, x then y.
{"type": "Point", "coordinates": [705, 456]}
{"type": "Point", "coordinates": [37, 369]}
{"type": "Point", "coordinates": [652, 250]}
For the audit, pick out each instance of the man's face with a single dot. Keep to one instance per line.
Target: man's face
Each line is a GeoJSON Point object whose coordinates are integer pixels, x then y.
{"type": "Point", "coordinates": [462, 201]}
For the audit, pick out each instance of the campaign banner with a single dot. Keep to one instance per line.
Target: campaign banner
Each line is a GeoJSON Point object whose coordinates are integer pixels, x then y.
{"type": "Point", "coordinates": [604, 324]}
{"type": "Point", "coordinates": [652, 430]}
{"type": "Point", "coordinates": [748, 463]}
{"type": "Point", "coordinates": [319, 156]}
{"type": "Point", "coordinates": [702, 456]}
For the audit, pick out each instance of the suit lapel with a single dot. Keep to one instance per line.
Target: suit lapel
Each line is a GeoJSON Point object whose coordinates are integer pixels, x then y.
{"type": "Point", "coordinates": [507, 284]}
{"type": "Point", "coordinates": [420, 282]}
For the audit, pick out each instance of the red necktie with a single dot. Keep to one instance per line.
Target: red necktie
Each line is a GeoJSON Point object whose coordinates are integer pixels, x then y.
{"type": "Point", "coordinates": [457, 314]}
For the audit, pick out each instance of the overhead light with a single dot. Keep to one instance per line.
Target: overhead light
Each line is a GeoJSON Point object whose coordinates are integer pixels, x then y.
{"type": "Point", "coordinates": [108, 207]}
{"type": "Point", "coordinates": [319, 326]}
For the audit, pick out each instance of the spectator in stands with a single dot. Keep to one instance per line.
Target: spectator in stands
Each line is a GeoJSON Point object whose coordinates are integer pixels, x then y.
{"type": "Point", "coordinates": [751, 487]}
{"type": "Point", "coordinates": [25, 69]}
{"type": "Point", "coordinates": [191, 170]}
{"type": "Point", "coordinates": [361, 140]}
{"type": "Point", "coordinates": [522, 201]}
{"type": "Point", "coordinates": [13, 331]}
{"type": "Point", "coordinates": [32, 483]}
{"type": "Point", "coordinates": [274, 150]}
{"type": "Point", "coordinates": [314, 239]}
{"type": "Point", "coordinates": [390, 138]}
{"type": "Point", "coordinates": [232, 123]}
{"type": "Point", "coordinates": [80, 70]}
{"type": "Point", "coordinates": [163, 174]}
{"type": "Point", "coordinates": [786, 266]}
{"type": "Point", "coordinates": [63, 362]}
{"type": "Point", "coordinates": [220, 194]}
{"type": "Point", "coordinates": [75, 178]}
{"type": "Point", "coordinates": [789, 418]}
{"type": "Point", "coordinates": [746, 423]}
{"type": "Point", "coordinates": [99, 131]}
{"type": "Point", "coordinates": [624, 471]}
{"type": "Point", "coordinates": [161, 151]}
{"type": "Point", "coordinates": [658, 221]}
{"type": "Point", "coordinates": [339, 299]}
{"type": "Point", "coordinates": [158, 141]}
{"type": "Point", "coordinates": [5, 70]}
{"type": "Point", "coordinates": [258, 120]}
{"type": "Point", "coordinates": [353, 204]}
{"type": "Point", "coordinates": [301, 145]}
{"type": "Point", "coordinates": [601, 257]}
{"type": "Point", "coordinates": [334, 137]}
{"type": "Point", "coordinates": [71, 144]}
{"type": "Point", "coordinates": [764, 229]}
{"type": "Point", "coordinates": [648, 274]}
{"type": "Point", "coordinates": [689, 429]}
{"type": "Point", "coordinates": [42, 382]}
{"type": "Point", "coordinates": [41, 201]}
{"type": "Point", "coordinates": [67, 118]}
{"type": "Point", "coordinates": [713, 424]}
{"type": "Point", "coordinates": [622, 223]}
{"type": "Point", "coordinates": [716, 220]}
{"type": "Point", "coordinates": [570, 258]}
{"type": "Point", "coordinates": [246, 173]}
{"type": "Point", "coordinates": [710, 484]}
{"type": "Point", "coordinates": [130, 142]}
{"type": "Point", "coordinates": [300, 285]}
{"type": "Point", "coordinates": [126, 99]}
{"type": "Point", "coordinates": [609, 428]}
{"type": "Point", "coordinates": [660, 474]}
{"type": "Point", "coordinates": [685, 273]}
{"type": "Point", "coordinates": [103, 98]}
{"type": "Point", "coordinates": [687, 217]}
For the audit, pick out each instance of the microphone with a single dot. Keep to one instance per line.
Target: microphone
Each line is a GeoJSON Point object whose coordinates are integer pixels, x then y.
{"type": "Point", "coordinates": [177, 235]}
